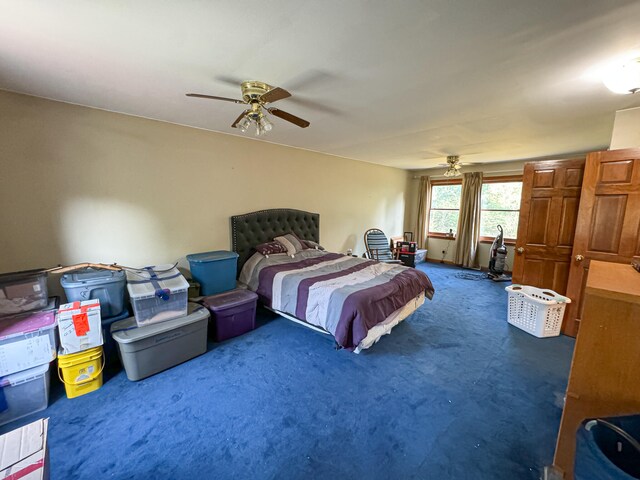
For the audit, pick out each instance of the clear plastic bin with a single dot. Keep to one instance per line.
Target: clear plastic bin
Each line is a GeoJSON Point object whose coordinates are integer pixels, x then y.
{"type": "Point", "coordinates": [24, 393]}
{"type": "Point", "coordinates": [26, 341]}
{"type": "Point", "coordinates": [158, 293]}
{"type": "Point", "coordinates": [22, 292]}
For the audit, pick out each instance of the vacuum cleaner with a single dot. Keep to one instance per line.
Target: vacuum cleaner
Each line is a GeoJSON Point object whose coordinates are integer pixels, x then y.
{"type": "Point", "coordinates": [498, 258]}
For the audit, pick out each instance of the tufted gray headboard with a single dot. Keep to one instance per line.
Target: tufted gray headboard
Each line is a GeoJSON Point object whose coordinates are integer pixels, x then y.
{"type": "Point", "coordinates": [254, 228]}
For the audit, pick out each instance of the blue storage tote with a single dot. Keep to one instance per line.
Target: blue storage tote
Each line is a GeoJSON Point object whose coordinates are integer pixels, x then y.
{"type": "Point", "coordinates": [104, 285]}
{"type": "Point", "coordinates": [214, 271]}
{"type": "Point", "coordinates": [608, 449]}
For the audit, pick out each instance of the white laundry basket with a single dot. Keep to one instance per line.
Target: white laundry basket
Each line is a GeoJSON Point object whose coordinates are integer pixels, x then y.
{"type": "Point", "coordinates": [536, 311]}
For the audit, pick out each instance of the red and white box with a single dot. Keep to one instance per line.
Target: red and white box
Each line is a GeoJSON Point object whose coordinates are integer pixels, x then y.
{"type": "Point", "coordinates": [23, 452]}
{"type": "Point", "coordinates": [79, 326]}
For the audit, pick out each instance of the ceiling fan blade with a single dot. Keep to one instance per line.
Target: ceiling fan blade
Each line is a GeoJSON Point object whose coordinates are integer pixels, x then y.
{"type": "Point", "coordinates": [274, 95]}
{"type": "Point", "coordinates": [229, 80]}
{"type": "Point", "coordinates": [289, 117]}
{"type": "Point", "coordinates": [199, 95]}
{"type": "Point", "coordinates": [234, 124]}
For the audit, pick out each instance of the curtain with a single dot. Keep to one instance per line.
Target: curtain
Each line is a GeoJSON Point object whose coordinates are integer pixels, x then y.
{"type": "Point", "coordinates": [424, 202]}
{"type": "Point", "coordinates": [469, 221]}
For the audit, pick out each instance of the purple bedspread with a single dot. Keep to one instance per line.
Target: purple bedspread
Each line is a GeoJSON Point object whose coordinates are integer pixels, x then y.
{"type": "Point", "coordinates": [346, 296]}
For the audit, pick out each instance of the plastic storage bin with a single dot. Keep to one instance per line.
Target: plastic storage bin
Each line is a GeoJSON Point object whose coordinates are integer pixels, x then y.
{"type": "Point", "coordinates": [214, 271]}
{"type": "Point", "coordinates": [104, 285]}
{"type": "Point", "coordinates": [147, 350]}
{"type": "Point", "coordinates": [232, 313]}
{"type": "Point", "coordinates": [79, 326]}
{"type": "Point", "coordinates": [23, 292]}
{"type": "Point", "coordinates": [26, 341]}
{"type": "Point", "coordinates": [607, 451]}
{"type": "Point", "coordinates": [81, 372]}
{"type": "Point", "coordinates": [157, 294]}
{"type": "Point", "coordinates": [24, 393]}
{"type": "Point", "coordinates": [536, 311]}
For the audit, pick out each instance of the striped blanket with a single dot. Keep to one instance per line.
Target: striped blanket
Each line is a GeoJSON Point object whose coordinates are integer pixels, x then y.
{"type": "Point", "coordinates": [344, 295]}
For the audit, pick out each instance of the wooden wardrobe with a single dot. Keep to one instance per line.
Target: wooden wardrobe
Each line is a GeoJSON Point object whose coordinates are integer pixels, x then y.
{"type": "Point", "coordinates": [606, 360]}
{"type": "Point", "coordinates": [572, 212]}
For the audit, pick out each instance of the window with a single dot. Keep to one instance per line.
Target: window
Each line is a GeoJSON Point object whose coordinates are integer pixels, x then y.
{"type": "Point", "coordinates": [445, 207]}
{"type": "Point", "coordinates": [500, 206]}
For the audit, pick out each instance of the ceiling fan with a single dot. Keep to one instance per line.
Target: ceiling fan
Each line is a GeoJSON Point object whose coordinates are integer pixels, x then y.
{"type": "Point", "coordinates": [453, 166]}
{"type": "Point", "coordinates": [256, 95]}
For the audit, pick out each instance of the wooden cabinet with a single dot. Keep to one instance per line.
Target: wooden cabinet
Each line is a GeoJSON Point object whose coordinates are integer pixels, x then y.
{"type": "Point", "coordinates": [605, 370]}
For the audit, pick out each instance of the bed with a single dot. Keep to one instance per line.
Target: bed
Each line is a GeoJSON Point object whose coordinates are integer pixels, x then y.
{"type": "Point", "coordinates": [355, 300]}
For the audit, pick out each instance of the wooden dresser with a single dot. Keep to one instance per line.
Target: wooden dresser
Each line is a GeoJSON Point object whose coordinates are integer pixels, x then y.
{"type": "Point", "coordinates": [605, 370]}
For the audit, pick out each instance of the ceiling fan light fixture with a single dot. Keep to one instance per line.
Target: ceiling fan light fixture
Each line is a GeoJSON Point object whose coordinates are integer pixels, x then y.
{"type": "Point", "coordinates": [453, 169]}
{"type": "Point", "coordinates": [265, 123]}
{"type": "Point", "coordinates": [256, 95]}
{"type": "Point", "coordinates": [623, 78]}
{"type": "Point", "coordinates": [244, 124]}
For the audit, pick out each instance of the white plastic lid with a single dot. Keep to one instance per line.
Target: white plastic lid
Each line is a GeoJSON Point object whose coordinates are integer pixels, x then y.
{"type": "Point", "coordinates": [146, 281]}
{"type": "Point", "coordinates": [24, 376]}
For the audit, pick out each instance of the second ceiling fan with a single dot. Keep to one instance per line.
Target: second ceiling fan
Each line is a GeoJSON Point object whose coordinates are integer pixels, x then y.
{"type": "Point", "coordinates": [257, 95]}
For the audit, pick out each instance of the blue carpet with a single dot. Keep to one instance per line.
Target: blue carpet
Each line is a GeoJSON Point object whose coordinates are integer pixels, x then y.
{"type": "Point", "coordinates": [452, 393]}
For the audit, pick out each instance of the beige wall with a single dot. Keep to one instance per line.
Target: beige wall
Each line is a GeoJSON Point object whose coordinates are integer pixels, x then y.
{"type": "Point", "coordinates": [626, 129]}
{"type": "Point", "coordinates": [437, 245]}
{"type": "Point", "coordinates": [80, 184]}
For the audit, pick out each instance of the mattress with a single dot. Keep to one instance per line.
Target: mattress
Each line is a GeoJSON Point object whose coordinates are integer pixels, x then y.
{"type": "Point", "coordinates": [343, 295]}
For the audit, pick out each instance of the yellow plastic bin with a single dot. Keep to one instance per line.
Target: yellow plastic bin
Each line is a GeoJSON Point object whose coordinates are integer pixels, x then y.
{"type": "Point", "coordinates": [81, 372]}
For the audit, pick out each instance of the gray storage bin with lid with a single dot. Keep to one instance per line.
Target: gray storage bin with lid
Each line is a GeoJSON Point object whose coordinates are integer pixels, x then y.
{"type": "Point", "coordinates": [104, 285]}
{"type": "Point", "coordinates": [153, 348]}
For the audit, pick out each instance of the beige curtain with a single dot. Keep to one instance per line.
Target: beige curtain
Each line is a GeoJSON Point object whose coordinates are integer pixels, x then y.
{"type": "Point", "coordinates": [469, 221]}
{"type": "Point", "coordinates": [424, 201]}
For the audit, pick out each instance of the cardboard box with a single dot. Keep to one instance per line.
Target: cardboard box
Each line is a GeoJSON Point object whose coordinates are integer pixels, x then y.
{"type": "Point", "coordinates": [23, 452]}
{"type": "Point", "coordinates": [79, 326]}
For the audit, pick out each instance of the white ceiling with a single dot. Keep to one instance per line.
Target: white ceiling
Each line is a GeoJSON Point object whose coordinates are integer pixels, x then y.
{"type": "Point", "coordinates": [401, 83]}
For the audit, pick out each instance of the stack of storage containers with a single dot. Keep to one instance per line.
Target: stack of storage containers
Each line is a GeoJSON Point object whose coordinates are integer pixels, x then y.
{"type": "Point", "coordinates": [97, 299]}
{"type": "Point", "coordinates": [233, 311]}
{"type": "Point", "coordinates": [108, 287]}
{"type": "Point", "coordinates": [164, 332]}
{"type": "Point", "coordinates": [27, 344]}
{"type": "Point", "coordinates": [80, 358]}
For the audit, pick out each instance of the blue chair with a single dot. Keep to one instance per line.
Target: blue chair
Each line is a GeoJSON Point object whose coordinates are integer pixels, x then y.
{"type": "Point", "coordinates": [378, 246]}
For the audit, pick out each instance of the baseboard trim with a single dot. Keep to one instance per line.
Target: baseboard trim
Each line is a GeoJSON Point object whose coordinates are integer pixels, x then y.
{"type": "Point", "coordinates": [435, 260]}
{"type": "Point", "coordinates": [449, 262]}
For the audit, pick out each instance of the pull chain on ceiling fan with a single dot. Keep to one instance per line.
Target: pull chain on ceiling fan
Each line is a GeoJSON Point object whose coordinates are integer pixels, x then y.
{"type": "Point", "coordinates": [256, 95]}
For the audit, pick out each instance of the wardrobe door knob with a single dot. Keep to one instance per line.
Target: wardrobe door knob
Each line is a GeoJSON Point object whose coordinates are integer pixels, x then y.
{"type": "Point", "coordinates": [520, 250]}
{"type": "Point", "coordinates": [579, 258]}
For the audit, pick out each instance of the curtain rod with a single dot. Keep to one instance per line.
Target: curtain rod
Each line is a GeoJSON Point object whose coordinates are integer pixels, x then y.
{"type": "Point", "coordinates": [484, 174]}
